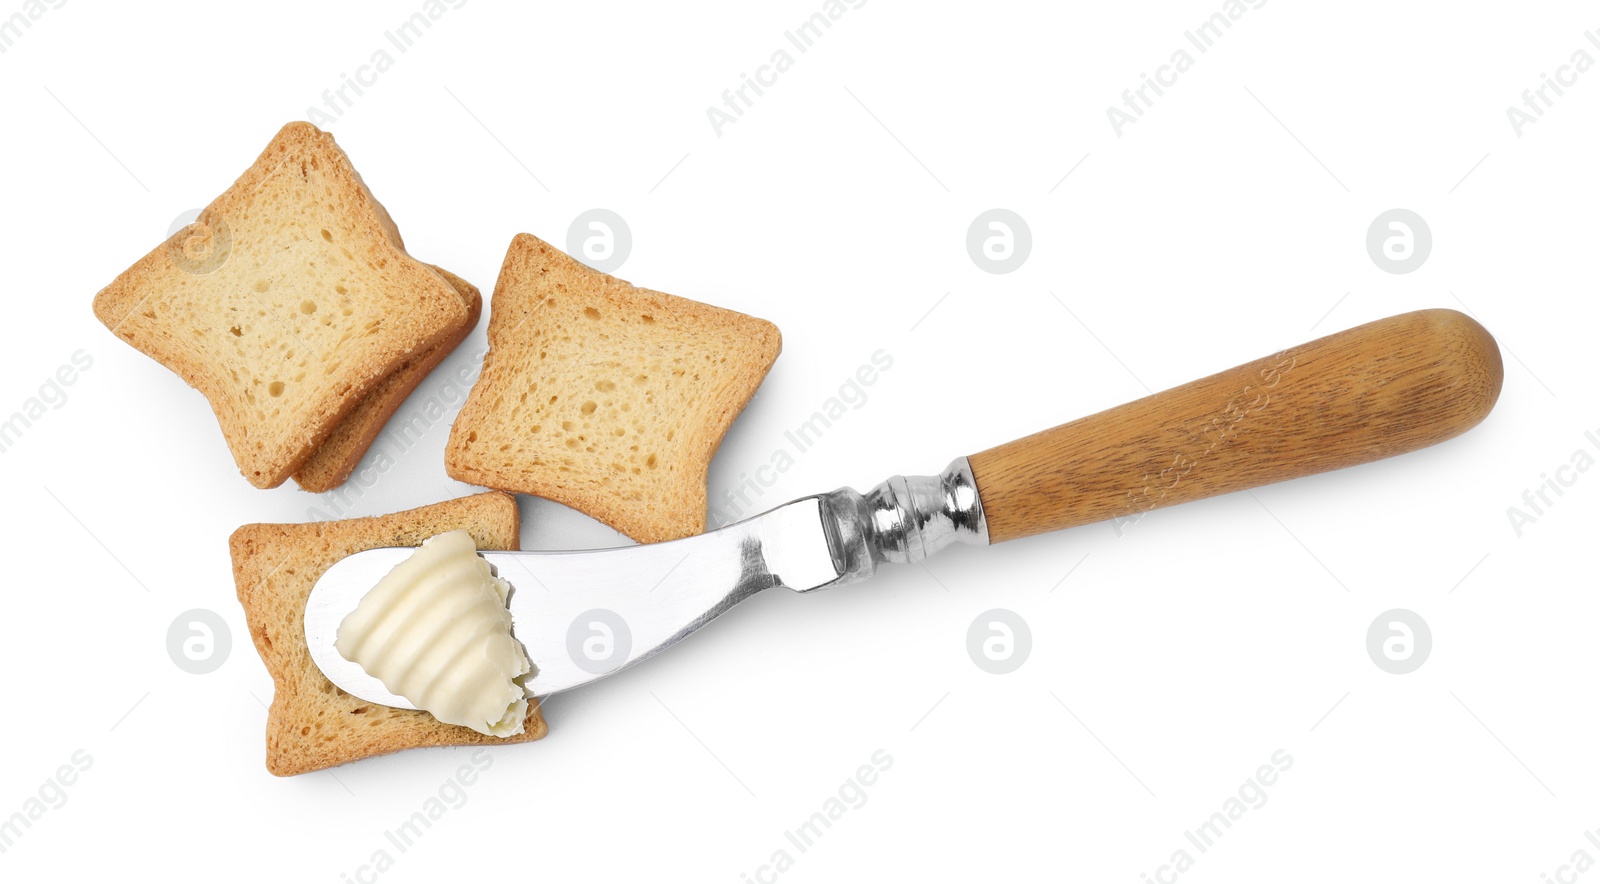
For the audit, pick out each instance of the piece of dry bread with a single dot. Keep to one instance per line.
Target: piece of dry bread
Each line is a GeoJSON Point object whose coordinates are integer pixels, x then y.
{"type": "Point", "coordinates": [608, 398]}
{"type": "Point", "coordinates": [342, 451]}
{"type": "Point", "coordinates": [313, 724]}
{"type": "Point", "coordinates": [286, 302]}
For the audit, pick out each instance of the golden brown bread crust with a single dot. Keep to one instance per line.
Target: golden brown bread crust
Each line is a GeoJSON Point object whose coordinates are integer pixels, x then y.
{"type": "Point", "coordinates": [283, 332]}
{"type": "Point", "coordinates": [312, 724]}
{"type": "Point", "coordinates": [332, 463]}
{"type": "Point", "coordinates": [605, 397]}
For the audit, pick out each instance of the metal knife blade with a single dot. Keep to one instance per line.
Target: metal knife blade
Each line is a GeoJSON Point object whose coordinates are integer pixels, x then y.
{"type": "Point", "coordinates": [584, 615]}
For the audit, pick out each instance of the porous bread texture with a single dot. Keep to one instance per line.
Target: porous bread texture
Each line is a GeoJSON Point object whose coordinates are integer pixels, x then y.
{"type": "Point", "coordinates": [287, 301]}
{"type": "Point", "coordinates": [606, 397]}
{"type": "Point", "coordinates": [333, 462]}
{"type": "Point", "coordinates": [312, 723]}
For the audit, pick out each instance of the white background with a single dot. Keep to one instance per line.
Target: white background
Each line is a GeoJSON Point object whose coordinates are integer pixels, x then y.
{"type": "Point", "coordinates": [1174, 660]}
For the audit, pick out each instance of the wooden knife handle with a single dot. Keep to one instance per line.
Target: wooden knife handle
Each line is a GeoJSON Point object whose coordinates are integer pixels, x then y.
{"type": "Point", "coordinates": [1367, 393]}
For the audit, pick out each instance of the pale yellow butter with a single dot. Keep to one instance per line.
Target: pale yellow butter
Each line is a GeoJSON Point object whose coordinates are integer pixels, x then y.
{"type": "Point", "coordinates": [436, 631]}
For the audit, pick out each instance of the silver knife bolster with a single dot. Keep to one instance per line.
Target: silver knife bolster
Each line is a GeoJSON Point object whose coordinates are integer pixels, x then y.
{"type": "Point", "coordinates": [903, 520]}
